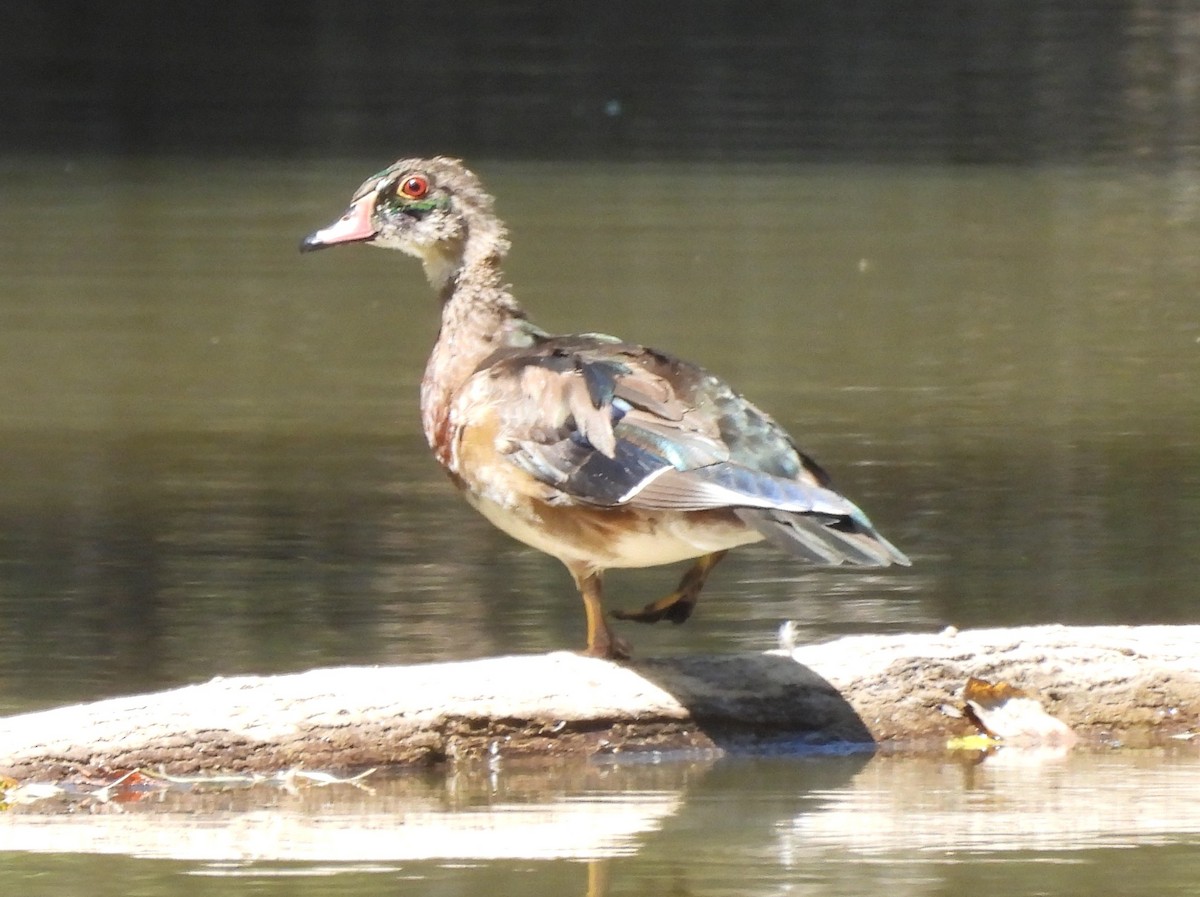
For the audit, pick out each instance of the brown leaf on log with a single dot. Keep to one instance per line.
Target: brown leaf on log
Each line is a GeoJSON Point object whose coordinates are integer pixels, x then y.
{"type": "Point", "coordinates": [1007, 713]}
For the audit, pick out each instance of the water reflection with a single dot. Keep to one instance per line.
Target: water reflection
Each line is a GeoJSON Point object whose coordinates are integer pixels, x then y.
{"type": "Point", "coordinates": [211, 461]}
{"type": "Point", "coordinates": [748, 826]}
{"type": "Point", "coordinates": [1014, 801]}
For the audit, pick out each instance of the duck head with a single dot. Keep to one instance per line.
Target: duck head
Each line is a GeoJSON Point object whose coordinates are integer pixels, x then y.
{"type": "Point", "coordinates": [434, 209]}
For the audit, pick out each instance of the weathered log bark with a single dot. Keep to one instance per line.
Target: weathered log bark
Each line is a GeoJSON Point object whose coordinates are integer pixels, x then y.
{"type": "Point", "coordinates": [1136, 685]}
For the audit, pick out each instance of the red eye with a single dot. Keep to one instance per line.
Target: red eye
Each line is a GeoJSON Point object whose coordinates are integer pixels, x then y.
{"type": "Point", "coordinates": [415, 187]}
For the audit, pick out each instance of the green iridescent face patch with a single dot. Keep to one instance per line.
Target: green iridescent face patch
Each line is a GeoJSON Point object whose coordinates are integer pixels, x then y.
{"type": "Point", "coordinates": [408, 197]}
{"type": "Point", "coordinates": [399, 204]}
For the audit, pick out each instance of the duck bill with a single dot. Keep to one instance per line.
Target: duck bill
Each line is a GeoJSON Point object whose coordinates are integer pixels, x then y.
{"type": "Point", "coordinates": [353, 227]}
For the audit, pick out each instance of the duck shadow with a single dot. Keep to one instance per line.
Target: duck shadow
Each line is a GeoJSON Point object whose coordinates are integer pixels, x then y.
{"type": "Point", "coordinates": [760, 702]}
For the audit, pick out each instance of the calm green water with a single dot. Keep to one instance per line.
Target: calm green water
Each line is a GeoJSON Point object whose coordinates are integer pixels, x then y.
{"type": "Point", "coordinates": [212, 461]}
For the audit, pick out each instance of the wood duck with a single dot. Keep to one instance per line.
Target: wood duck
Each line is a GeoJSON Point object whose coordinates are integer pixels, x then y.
{"type": "Point", "coordinates": [599, 452]}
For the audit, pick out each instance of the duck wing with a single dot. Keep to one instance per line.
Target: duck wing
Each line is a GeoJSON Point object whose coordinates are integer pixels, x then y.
{"type": "Point", "coordinates": [605, 423]}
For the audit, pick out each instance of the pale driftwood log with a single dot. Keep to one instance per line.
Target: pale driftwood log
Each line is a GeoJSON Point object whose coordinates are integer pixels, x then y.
{"type": "Point", "coordinates": [1129, 684]}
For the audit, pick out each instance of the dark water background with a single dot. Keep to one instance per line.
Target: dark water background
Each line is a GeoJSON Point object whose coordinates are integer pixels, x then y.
{"type": "Point", "coordinates": [952, 246]}
{"type": "Point", "coordinates": [938, 82]}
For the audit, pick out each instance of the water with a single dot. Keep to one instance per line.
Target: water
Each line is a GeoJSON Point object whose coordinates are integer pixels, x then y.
{"type": "Point", "coordinates": [1045, 81]}
{"type": "Point", "coordinates": [212, 461]}
{"type": "Point", "coordinates": [1086, 824]}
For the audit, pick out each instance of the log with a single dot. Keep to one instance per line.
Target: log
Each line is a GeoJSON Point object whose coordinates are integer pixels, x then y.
{"type": "Point", "coordinates": [1110, 684]}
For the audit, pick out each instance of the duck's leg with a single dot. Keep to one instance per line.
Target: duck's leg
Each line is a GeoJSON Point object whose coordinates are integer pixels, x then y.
{"type": "Point", "coordinates": [677, 606]}
{"type": "Point", "coordinates": [601, 641]}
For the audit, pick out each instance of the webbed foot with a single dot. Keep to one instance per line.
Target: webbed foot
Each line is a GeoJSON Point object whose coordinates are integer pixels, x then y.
{"type": "Point", "coordinates": [678, 605]}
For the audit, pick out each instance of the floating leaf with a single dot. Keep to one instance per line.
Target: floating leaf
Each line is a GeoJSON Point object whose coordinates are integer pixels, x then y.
{"type": "Point", "coordinates": [980, 742]}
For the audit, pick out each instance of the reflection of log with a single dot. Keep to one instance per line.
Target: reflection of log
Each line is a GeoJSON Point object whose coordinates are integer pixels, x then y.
{"type": "Point", "coordinates": [402, 819]}
{"type": "Point", "coordinates": [1136, 684]}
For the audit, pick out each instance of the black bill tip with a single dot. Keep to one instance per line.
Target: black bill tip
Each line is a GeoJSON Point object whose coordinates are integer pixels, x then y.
{"type": "Point", "coordinates": [313, 242]}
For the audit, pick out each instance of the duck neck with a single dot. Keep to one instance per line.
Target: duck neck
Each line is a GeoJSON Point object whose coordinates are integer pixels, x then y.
{"type": "Point", "coordinates": [479, 316]}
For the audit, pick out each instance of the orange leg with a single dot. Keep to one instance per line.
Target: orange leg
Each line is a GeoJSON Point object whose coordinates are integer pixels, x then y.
{"type": "Point", "coordinates": [601, 641]}
{"type": "Point", "coordinates": [677, 606]}
{"type": "Point", "coordinates": [597, 881]}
